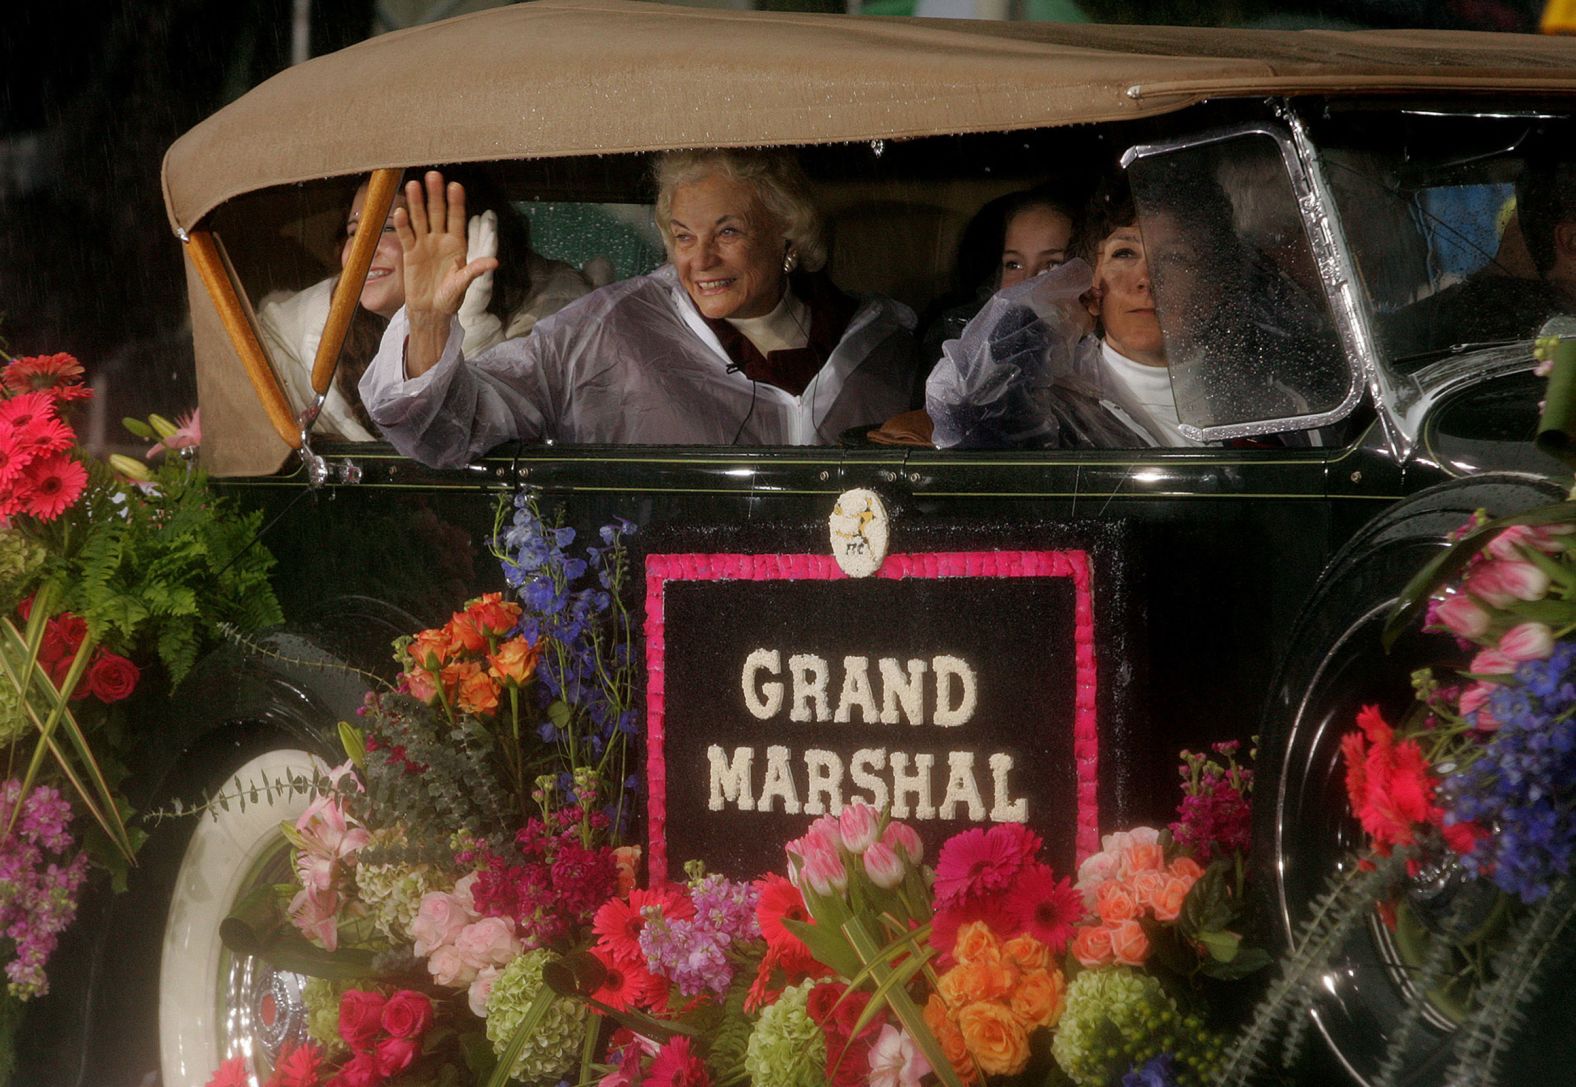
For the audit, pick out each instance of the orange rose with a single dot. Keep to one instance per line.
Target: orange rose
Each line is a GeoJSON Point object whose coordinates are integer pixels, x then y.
{"type": "Point", "coordinates": [950, 1038]}
{"type": "Point", "coordinates": [976, 941]}
{"type": "Point", "coordinates": [515, 661]}
{"type": "Point", "coordinates": [626, 859]}
{"type": "Point", "coordinates": [1092, 945]}
{"type": "Point", "coordinates": [478, 693]}
{"type": "Point", "coordinates": [1114, 902]}
{"type": "Point", "coordinates": [1129, 945]}
{"type": "Point", "coordinates": [1186, 867]}
{"type": "Point", "coordinates": [1168, 905]}
{"type": "Point", "coordinates": [429, 649]}
{"type": "Point", "coordinates": [464, 635]}
{"type": "Point", "coordinates": [981, 979]}
{"type": "Point", "coordinates": [420, 684]}
{"type": "Point", "coordinates": [1027, 953]}
{"type": "Point", "coordinates": [455, 674]}
{"type": "Point", "coordinates": [1146, 887]}
{"type": "Point", "coordinates": [1039, 998]}
{"type": "Point", "coordinates": [995, 1037]}
{"type": "Point", "coordinates": [492, 614]}
{"type": "Point", "coordinates": [1145, 857]}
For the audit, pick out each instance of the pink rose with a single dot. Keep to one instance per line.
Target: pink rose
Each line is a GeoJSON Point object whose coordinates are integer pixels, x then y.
{"type": "Point", "coordinates": [1462, 616]}
{"type": "Point", "coordinates": [1143, 857]}
{"type": "Point", "coordinates": [360, 1018]}
{"type": "Point", "coordinates": [449, 968]}
{"type": "Point", "coordinates": [396, 1054]}
{"type": "Point", "coordinates": [1527, 642]}
{"type": "Point", "coordinates": [883, 866]}
{"type": "Point", "coordinates": [360, 1071]}
{"type": "Point", "coordinates": [488, 942]}
{"type": "Point", "coordinates": [1129, 945]}
{"type": "Point", "coordinates": [438, 920]}
{"type": "Point", "coordinates": [407, 1014]}
{"type": "Point", "coordinates": [464, 891]}
{"type": "Point", "coordinates": [480, 990]}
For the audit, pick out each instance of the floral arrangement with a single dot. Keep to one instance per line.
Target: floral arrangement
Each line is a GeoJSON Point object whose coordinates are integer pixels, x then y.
{"type": "Point", "coordinates": [475, 850]}
{"type": "Point", "coordinates": [107, 569]}
{"type": "Point", "coordinates": [1472, 788]}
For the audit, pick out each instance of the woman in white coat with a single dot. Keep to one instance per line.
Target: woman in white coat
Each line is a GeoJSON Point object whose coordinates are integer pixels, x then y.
{"type": "Point", "coordinates": [738, 339]}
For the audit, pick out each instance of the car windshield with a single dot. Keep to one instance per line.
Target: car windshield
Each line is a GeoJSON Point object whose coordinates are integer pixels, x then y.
{"type": "Point", "coordinates": [1462, 225]}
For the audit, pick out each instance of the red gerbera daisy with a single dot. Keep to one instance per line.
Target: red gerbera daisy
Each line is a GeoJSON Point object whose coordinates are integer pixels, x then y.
{"type": "Point", "coordinates": [52, 484]}
{"type": "Point", "coordinates": [59, 374]}
{"type": "Point", "coordinates": [22, 411]}
{"type": "Point", "coordinates": [624, 985]}
{"type": "Point", "coordinates": [1045, 907]}
{"type": "Point", "coordinates": [677, 1065]}
{"type": "Point", "coordinates": [232, 1073]}
{"type": "Point", "coordinates": [45, 434]}
{"type": "Point", "coordinates": [618, 923]}
{"type": "Point", "coordinates": [780, 900]}
{"type": "Point", "coordinates": [13, 458]}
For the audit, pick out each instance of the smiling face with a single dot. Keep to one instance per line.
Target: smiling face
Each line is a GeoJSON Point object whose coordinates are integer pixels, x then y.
{"type": "Point", "coordinates": [1036, 241]}
{"type": "Point", "coordinates": [727, 249]}
{"type": "Point", "coordinates": [1123, 300]}
{"type": "Point", "coordinates": [384, 292]}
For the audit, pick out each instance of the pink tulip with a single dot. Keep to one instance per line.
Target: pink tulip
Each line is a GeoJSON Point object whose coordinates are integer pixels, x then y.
{"type": "Point", "coordinates": [1548, 539]}
{"type": "Point", "coordinates": [1475, 700]}
{"type": "Point", "coordinates": [1527, 642]}
{"type": "Point", "coordinates": [883, 866]}
{"type": "Point", "coordinates": [902, 839]}
{"type": "Point", "coordinates": [857, 826]}
{"type": "Point", "coordinates": [825, 874]}
{"type": "Point", "coordinates": [1501, 583]}
{"type": "Point", "coordinates": [1491, 662]}
{"type": "Point", "coordinates": [1462, 616]}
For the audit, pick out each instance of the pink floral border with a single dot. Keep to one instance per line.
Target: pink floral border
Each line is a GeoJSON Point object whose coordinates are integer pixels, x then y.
{"type": "Point", "coordinates": [700, 566]}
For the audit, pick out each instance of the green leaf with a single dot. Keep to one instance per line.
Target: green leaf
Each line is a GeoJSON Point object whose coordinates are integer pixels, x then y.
{"type": "Point", "coordinates": [829, 949]}
{"type": "Point", "coordinates": [559, 713]}
{"type": "Point", "coordinates": [1222, 946]}
{"type": "Point", "coordinates": [1208, 903]}
{"type": "Point", "coordinates": [1247, 961]}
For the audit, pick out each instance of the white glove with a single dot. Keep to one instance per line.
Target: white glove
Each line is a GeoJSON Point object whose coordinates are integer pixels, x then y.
{"type": "Point", "coordinates": [482, 329]}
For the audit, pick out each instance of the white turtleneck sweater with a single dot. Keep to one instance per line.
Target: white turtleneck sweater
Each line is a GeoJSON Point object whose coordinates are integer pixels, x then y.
{"type": "Point", "coordinates": [784, 328]}
{"type": "Point", "coordinates": [1150, 387]}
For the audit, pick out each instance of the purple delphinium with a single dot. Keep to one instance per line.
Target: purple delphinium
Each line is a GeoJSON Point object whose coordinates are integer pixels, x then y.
{"type": "Point", "coordinates": [38, 883]}
{"type": "Point", "coordinates": [1521, 787]}
{"type": "Point", "coordinates": [693, 955]}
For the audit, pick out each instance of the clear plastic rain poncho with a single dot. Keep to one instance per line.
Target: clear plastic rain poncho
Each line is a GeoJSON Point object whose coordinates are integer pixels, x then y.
{"type": "Point", "coordinates": [632, 363]}
{"type": "Point", "coordinates": [1026, 374]}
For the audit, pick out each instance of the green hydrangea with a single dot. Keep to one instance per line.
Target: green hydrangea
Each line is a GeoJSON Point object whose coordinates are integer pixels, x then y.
{"type": "Point", "coordinates": [554, 1046]}
{"type": "Point", "coordinates": [321, 998]}
{"type": "Point", "coordinates": [393, 893]}
{"type": "Point", "coordinates": [13, 722]}
{"type": "Point", "coordinates": [787, 1049]}
{"type": "Point", "coordinates": [1116, 1018]}
{"type": "Point", "coordinates": [20, 559]}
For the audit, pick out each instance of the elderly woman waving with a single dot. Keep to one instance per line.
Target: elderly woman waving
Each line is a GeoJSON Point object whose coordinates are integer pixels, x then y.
{"type": "Point", "coordinates": [738, 339]}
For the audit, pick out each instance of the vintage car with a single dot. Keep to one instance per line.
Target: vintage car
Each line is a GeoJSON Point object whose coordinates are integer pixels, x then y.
{"type": "Point", "coordinates": [1238, 585]}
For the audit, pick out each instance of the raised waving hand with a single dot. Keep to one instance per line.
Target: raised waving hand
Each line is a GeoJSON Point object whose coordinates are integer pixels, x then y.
{"type": "Point", "coordinates": [432, 233]}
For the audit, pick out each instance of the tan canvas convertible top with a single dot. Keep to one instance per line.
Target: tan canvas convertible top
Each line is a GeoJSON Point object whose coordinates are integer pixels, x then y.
{"type": "Point", "coordinates": [573, 77]}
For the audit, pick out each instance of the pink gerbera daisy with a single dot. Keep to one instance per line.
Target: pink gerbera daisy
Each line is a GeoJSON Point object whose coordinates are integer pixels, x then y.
{"type": "Point", "coordinates": [232, 1073]}
{"type": "Point", "coordinates": [13, 457]}
{"type": "Point", "coordinates": [677, 1065]}
{"type": "Point", "coordinates": [52, 484]}
{"type": "Point", "coordinates": [982, 862]}
{"type": "Point", "coordinates": [1045, 907]}
{"type": "Point", "coordinates": [44, 434]}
